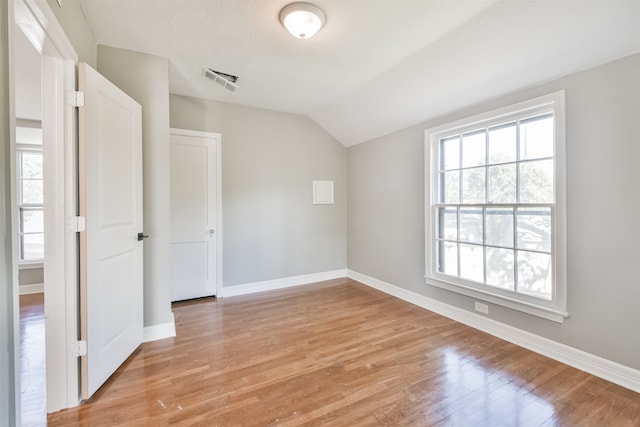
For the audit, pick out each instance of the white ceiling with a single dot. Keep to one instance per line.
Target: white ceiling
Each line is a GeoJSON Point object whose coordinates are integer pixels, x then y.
{"type": "Point", "coordinates": [378, 65]}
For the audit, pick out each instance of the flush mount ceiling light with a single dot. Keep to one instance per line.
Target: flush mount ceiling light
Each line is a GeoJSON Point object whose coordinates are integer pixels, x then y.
{"type": "Point", "coordinates": [302, 20]}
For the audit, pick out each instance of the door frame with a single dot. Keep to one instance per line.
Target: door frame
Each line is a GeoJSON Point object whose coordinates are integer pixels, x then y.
{"type": "Point", "coordinates": [59, 124]}
{"type": "Point", "coordinates": [218, 143]}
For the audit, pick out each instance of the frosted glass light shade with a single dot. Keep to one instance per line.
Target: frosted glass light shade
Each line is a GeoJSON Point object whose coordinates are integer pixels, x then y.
{"type": "Point", "coordinates": [302, 20]}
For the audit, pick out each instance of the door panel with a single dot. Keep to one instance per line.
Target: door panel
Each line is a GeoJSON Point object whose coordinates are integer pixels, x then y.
{"type": "Point", "coordinates": [193, 216]}
{"type": "Point", "coordinates": [111, 257]}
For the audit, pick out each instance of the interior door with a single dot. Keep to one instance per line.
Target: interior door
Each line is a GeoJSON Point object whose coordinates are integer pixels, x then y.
{"type": "Point", "coordinates": [193, 215]}
{"type": "Point", "coordinates": [110, 189]}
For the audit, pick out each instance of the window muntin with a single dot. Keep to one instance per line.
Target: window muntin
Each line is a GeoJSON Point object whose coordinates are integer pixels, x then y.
{"type": "Point", "coordinates": [493, 212]}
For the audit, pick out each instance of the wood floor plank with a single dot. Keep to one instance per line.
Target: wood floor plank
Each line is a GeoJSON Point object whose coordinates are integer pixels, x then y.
{"type": "Point", "coordinates": [339, 353]}
{"type": "Point", "coordinates": [32, 360]}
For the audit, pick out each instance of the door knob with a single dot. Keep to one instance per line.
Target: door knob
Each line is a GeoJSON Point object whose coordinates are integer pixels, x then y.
{"type": "Point", "coordinates": [211, 231]}
{"type": "Point", "coordinates": [141, 236]}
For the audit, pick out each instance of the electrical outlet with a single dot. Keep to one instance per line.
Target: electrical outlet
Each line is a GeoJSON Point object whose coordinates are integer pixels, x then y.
{"type": "Point", "coordinates": [482, 308]}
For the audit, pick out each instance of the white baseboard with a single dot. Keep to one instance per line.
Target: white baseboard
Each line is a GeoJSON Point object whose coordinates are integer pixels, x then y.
{"type": "Point", "coordinates": [611, 371]}
{"type": "Point", "coordinates": [286, 282]}
{"type": "Point", "coordinates": [36, 288]}
{"type": "Point", "coordinates": [161, 331]}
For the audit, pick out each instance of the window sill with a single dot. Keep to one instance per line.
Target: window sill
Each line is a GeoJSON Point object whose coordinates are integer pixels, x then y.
{"type": "Point", "coordinates": [27, 265]}
{"type": "Point", "coordinates": [543, 312]}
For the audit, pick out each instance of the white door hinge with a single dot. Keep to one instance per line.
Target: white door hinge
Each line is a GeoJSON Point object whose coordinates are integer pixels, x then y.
{"type": "Point", "coordinates": [77, 224]}
{"type": "Point", "coordinates": [78, 348]}
{"type": "Point", "coordinates": [75, 98]}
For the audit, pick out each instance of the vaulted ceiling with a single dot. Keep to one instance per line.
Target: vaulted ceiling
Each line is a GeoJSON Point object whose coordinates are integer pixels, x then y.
{"type": "Point", "coordinates": [378, 65]}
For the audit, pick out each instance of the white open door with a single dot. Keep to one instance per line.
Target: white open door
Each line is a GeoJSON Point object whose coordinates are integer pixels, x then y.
{"type": "Point", "coordinates": [110, 192]}
{"type": "Point", "coordinates": [194, 214]}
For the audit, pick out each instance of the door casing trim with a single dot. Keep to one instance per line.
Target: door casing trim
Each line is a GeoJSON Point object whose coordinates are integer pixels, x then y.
{"type": "Point", "coordinates": [59, 61]}
{"type": "Point", "coordinates": [219, 231]}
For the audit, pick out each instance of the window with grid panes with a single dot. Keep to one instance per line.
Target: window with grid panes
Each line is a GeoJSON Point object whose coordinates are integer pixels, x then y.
{"type": "Point", "coordinates": [495, 216]}
{"type": "Point", "coordinates": [30, 194]}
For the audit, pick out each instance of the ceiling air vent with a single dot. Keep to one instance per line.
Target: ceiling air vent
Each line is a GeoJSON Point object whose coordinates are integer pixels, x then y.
{"type": "Point", "coordinates": [225, 80]}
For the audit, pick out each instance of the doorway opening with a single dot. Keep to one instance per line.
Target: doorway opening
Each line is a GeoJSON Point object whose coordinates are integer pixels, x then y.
{"type": "Point", "coordinates": [30, 210]}
{"type": "Point", "coordinates": [40, 107]}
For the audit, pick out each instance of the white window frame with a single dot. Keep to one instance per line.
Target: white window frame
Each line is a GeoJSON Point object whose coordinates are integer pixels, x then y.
{"type": "Point", "coordinates": [20, 149]}
{"type": "Point", "coordinates": [556, 308]}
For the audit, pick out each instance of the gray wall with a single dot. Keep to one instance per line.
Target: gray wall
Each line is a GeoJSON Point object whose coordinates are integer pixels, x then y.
{"type": "Point", "coordinates": [71, 18]}
{"type": "Point", "coordinates": [30, 276]}
{"type": "Point", "coordinates": [386, 212]}
{"type": "Point", "coordinates": [146, 79]}
{"type": "Point", "coordinates": [8, 301]}
{"type": "Point", "coordinates": [271, 229]}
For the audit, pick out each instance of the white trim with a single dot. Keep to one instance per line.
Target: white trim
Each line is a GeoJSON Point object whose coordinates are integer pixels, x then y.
{"type": "Point", "coordinates": [161, 331]}
{"type": "Point", "coordinates": [30, 265]}
{"type": "Point", "coordinates": [504, 114]}
{"type": "Point", "coordinates": [36, 19]}
{"type": "Point", "coordinates": [534, 310]}
{"type": "Point", "coordinates": [285, 282]}
{"type": "Point", "coordinates": [219, 231]}
{"type": "Point", "coordinates": [21, 148]}
{"type": "Point", "coordinates": [41, 27]}
{"type": "Point", "coordinates": [32, 288]}
{"type": "Point", "coordinates": [10, 413]}
{"type": "Point", "coordinates": [617, 373]}
{"type": "Point", "coordinates": [193, 133]}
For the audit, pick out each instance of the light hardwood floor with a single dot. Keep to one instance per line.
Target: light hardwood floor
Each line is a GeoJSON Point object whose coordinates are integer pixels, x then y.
{"type": "Point", "coordinates": [32, 361]}
{"type": "Point", "coordinates": [339, 353]}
